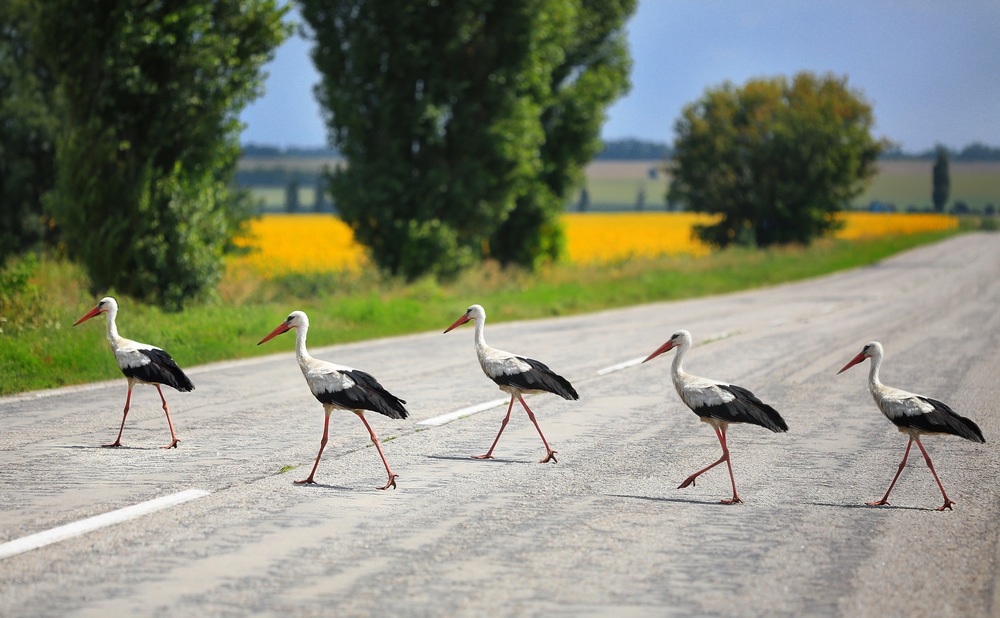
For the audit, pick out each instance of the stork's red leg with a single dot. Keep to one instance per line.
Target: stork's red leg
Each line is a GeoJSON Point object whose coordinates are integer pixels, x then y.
{"type": "Point", "coordinates": [173, 436]}
{"type": "Point", "coordinates": [322, 445]}
{"type": "Point", "coordinates": [392, 477]}
{"type": "Point", "coordinates": [722, 438]}
{"type": "Point", "coordinates": [725, 458]}
{"type": "Point", "coordinates": [550, 454]}
{"type": "Point", "coordinates": [128, 400]}
{"type": "Point", "coordinates": [489, 453]}
{"type": "Point", "coordinates": [947, 503]}
{"type": "Point", "coordinates": [885, 499]}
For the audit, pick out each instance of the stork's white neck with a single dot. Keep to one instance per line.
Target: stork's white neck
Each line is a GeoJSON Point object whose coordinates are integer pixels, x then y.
{"type": "Point", "coordinates": [112, 328]}
{"type": "Point", "coordinates": [301, 353]}
{"type": "Point", "coordinates": [874, 384]}
{"type": "Point", "coordinates": [480, 336]}
{"type": "Point", "coordinates": [676, 370]}
{"type": "Point", "coordinates": [483, 351]}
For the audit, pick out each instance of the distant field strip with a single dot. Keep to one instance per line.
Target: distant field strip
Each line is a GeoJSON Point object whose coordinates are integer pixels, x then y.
{"type": "Point", "coordinates": [638, 185]}
{"type": "Point", "coordinates": [310, 243]}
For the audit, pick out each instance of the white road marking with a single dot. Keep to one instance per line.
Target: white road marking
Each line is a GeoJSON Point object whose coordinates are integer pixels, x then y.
{"type": "Point", "coordinates": [620, 366]}
{"type": "Point", "coordinates": [457, 414]}
{"type": "Point", "coordinates": [77, 528]}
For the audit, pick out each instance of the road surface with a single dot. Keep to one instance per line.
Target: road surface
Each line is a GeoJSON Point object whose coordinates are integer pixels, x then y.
{"type": "Point", "coordinates": [603, 532]}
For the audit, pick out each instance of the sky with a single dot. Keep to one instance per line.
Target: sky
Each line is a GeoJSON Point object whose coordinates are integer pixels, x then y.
{"type": "Point", "coordinates": [930, 69]}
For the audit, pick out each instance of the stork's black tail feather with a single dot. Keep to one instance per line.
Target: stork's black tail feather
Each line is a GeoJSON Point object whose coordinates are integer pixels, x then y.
{"type": "Point", "coordinates": [545, 379]}
{"type": "Point", "coordinates": [381, 400]}
{"type": "Point", "coordinates": [170, 374]}
{"type": "Point", "coordinates": [947, 421]}
{"type": "Point", "coordinates": [754, 410]}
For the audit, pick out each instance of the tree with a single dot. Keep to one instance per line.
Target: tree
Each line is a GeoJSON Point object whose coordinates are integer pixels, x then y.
{"type": "Point", "coordinates": [942, 179]}
{"type": "Point", "coordinates": [592, 71]}
{"type": "Point", "coordinates": [775, 159]}
{"type": "Point", "coordinates": [443, 112]}
{"type": "Point", "coordinates": [27, 133]}
{"type": "Point", "coordinates": [292, 194]}
{"type": "Point", "coordinates": [150, 97]}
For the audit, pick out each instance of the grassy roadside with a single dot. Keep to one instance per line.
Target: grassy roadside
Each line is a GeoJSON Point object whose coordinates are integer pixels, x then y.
{"type": "Point", "coordinates": [46, 351]}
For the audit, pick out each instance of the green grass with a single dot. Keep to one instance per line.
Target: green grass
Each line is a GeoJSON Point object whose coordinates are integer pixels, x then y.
{"type": "Point", "coordinates": [41, 349]}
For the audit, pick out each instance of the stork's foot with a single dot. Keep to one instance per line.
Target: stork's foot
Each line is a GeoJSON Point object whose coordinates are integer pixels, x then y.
{"type": "Point", "coordinates": [172, 444]}
{"type": "Point", "coordinates": [486, 456]}
{"type": "Point", "coordinates": [115, 444]}
{"type": "Point", "coordinates": [391, 483]}
{"type": "Point", "coordinates": [882, 502]}
{"type": "Point", "coordinates": [308, 481]}
{"type": "Point", "coordinates": [733, 500]}
{"type": "Point", "coordinates": [550, 457]}
{"type": "Point", "coordinates": [688, 481]}
{"type": "Point", "coordinates": [947, 505]}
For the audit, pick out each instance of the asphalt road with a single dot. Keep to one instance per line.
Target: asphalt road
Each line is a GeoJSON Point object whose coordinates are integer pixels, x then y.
{"type": "Point", "coordinates": [603, 532]}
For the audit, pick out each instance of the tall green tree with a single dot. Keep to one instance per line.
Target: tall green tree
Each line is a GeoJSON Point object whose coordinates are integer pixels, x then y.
{"type": "Point", "coordinates": [941, 179]}
{"type": "Point", "coordinates": [592, 71]}
{"type": "Point", "coordinates": [776, 159]}
{"type": "Point", "coordinates": [150, 94]}
{"type": "Point", "coordinates": [27, 133]}
{"type": "Point", "coordinates": [443, 111]}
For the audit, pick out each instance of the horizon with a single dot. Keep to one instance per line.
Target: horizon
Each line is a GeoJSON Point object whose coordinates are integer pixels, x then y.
{"type": "Point", "coordinates": [925, 68]}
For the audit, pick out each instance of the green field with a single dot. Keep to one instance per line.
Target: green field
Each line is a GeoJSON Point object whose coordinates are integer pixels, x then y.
{"type": "Point", "coordinates": [617, 185]}
{"type": "Point", "coordinates": [908, 183]}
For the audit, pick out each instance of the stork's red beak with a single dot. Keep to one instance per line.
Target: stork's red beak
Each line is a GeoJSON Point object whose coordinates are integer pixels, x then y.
{"type": "Point", "coordinates": [282, 328]}
{"type": "Point", "coordinates": [90, 314]}
{"type": "Point", "coordinates": [458, 322]}
{"type": "Point", "coordinates": [660, 350]}
{"type": "Point", "coordinates": [854, 361]}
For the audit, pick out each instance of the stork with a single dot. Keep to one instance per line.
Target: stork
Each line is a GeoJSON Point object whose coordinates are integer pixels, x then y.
{"type": "Point", "coordinates": [717, 403]}
{"type": "Point", "coordinates": [914, 415]}
{"type": "Point", "coordinates": [340, 388]}
{"type": "Point", "coordinates": [141, 363]}
{"type": "Point", "coordinates": [515, 375]}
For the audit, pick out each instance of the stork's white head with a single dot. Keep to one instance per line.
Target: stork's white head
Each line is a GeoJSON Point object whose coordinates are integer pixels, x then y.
{"type": "Point", "coordinates": [295, 319]}
{"type": "Point", "coordinates": [106, 305]}
{"type": "Point", "coordinates": [680, 339]}
{"type": "Point", "coordinates": [475, 312]}
{"type": "Point", "coordinates": [871, 349]}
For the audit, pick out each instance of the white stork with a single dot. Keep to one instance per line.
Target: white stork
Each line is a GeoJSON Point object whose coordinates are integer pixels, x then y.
{"type": "Point", "coordinates": [340, 388]}
{"type": "Point", "coordinates": [515, 375]}
{"type": "Point", "coordinates": [141, 363]}
{"type": "Point", "coordinates": [914, 415]}
{"type": "Point", "coordinates": [716, 403]}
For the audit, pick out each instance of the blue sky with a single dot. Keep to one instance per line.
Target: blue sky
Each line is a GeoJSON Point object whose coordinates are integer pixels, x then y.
{"type": "Point", "coordinates": [931, 69]}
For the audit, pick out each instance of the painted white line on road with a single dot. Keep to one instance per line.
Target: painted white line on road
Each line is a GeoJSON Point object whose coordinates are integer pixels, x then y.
{"type": "Point", "coordinates": [457, 414]}
{"type": "Point", "coordinates": [77, 528]}
{"type": "Point", "coordinates": [620, 366]}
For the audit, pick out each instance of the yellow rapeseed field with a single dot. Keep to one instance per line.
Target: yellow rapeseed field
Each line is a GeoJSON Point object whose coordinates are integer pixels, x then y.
{"type": "Point", "coordinates": [283, 244]}
{"type": "Point", "coordinates": [605, 237]}
{"type": "Point", "coordinates": [875, 224]}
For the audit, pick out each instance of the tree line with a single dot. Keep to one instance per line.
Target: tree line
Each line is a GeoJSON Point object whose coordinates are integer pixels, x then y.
{"type": "Point", "coordinates": [464, 126]}
{"type": "Point", "coordinates": [120, 134]}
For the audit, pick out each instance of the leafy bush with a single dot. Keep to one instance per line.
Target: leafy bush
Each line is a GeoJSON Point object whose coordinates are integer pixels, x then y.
{"type": "Point", "coordinates": [19, 298]}
{"type": "Point", "coordinates": [776, 159]}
